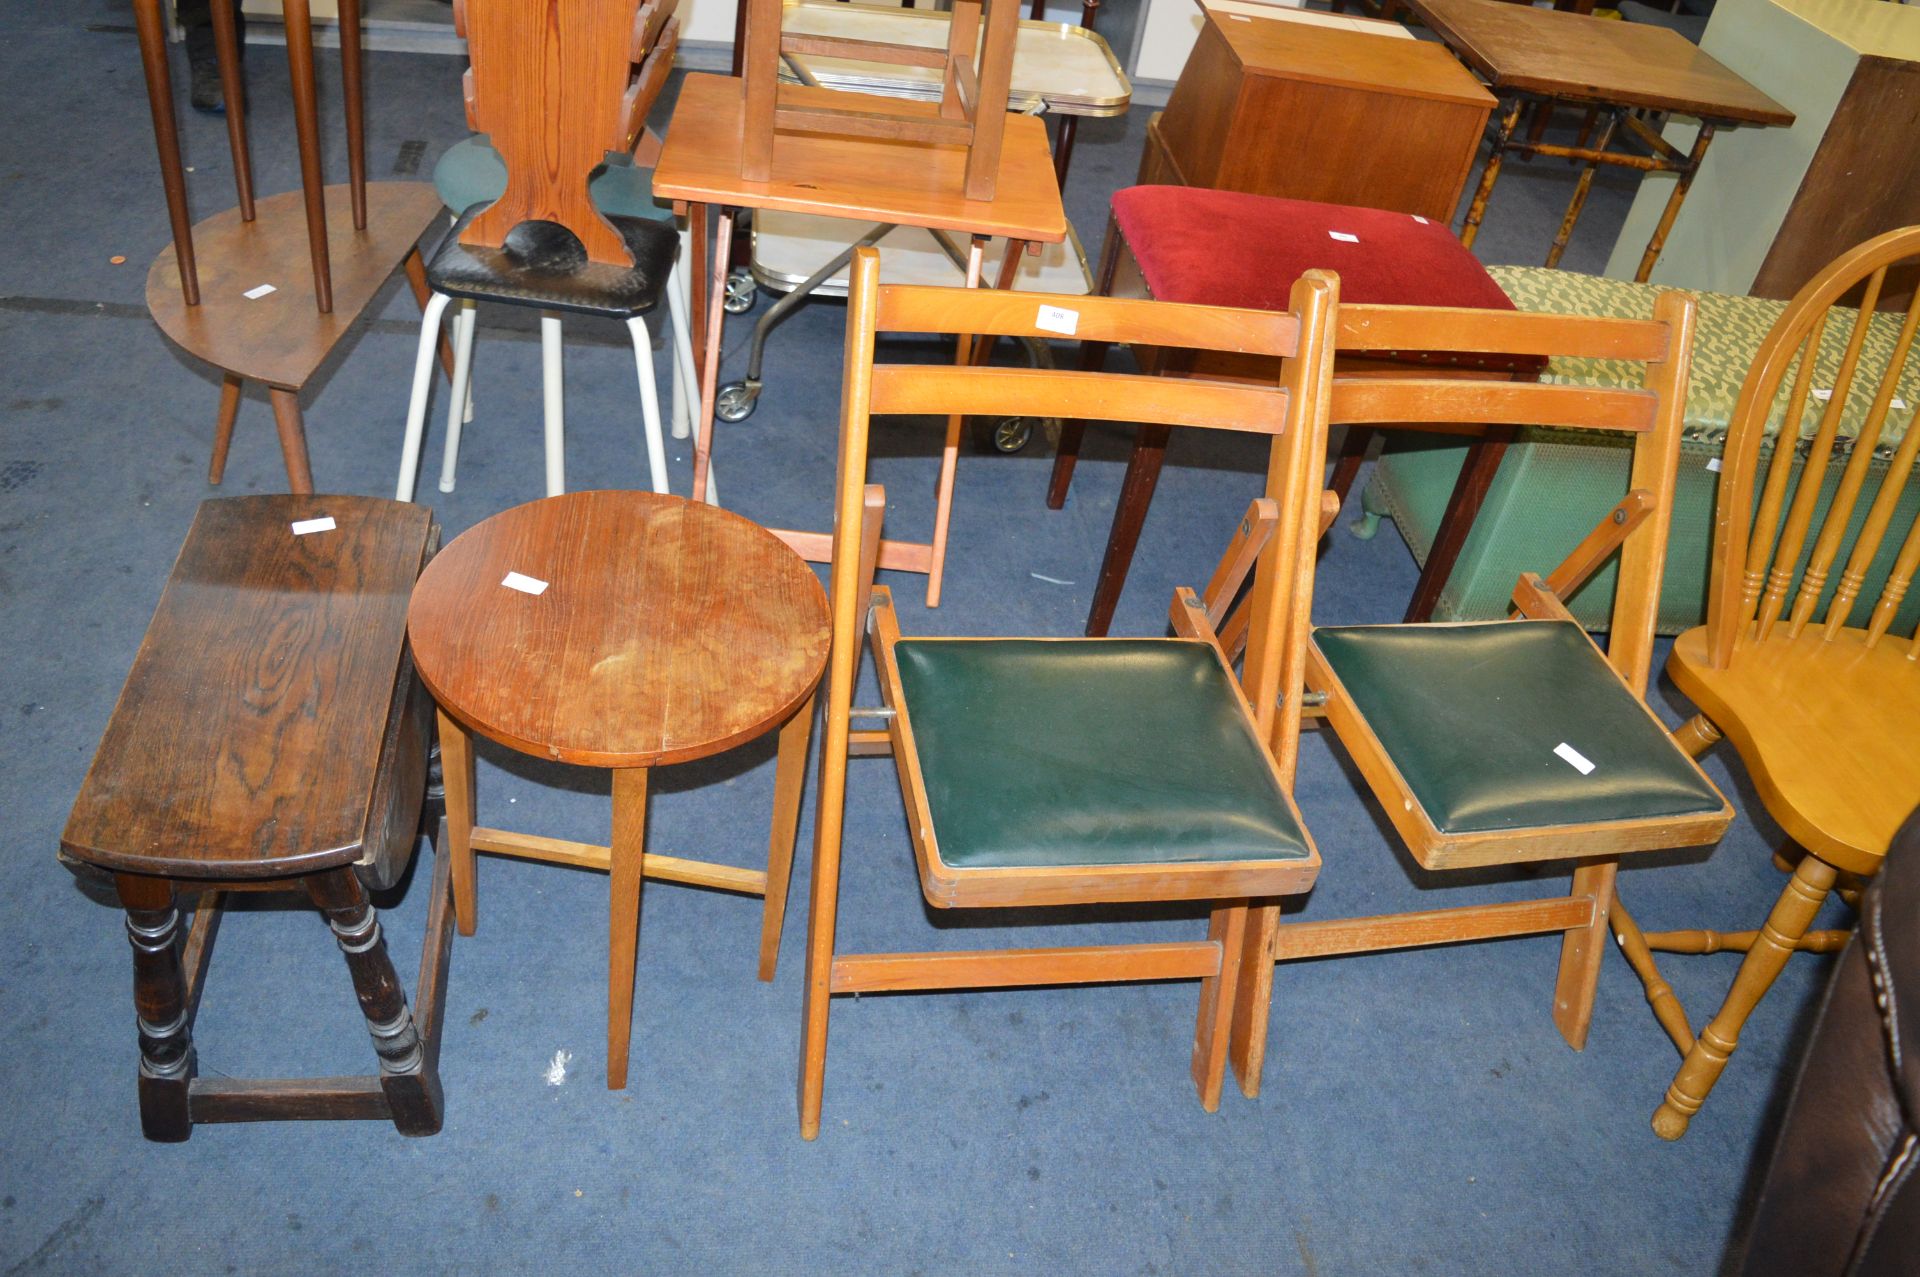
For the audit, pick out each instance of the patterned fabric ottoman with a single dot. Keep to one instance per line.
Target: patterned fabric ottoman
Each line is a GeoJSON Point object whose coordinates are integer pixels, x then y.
{"type": "Point", "coordinates": [1551, 489]}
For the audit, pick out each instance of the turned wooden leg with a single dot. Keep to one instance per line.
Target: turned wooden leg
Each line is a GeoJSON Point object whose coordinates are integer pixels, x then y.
{"type": "Point", "coordinates": [456, 771]}
{"type": "Point", "coordinates": [1581, 951]}
{"type": "Point", "coordinates": [1791, 915]}
{"type": "Point", "coordinates": [223, 426]}
{"type": "Point", "coordinates": [160, 998]}
{"type": "Point", "coordinates": [1129, 514]}
{"type": "Point", "coordinates": [789, 785]}
{"type": "Point", "coordinates": [1698, 735]}
{"type": "Point", "coordinates": [1227, 928]}
{"type": "Point", "coordinates": [412, 1090]}
{"type": "Point", "coordinates": [293, 440]}
{"type": "Point", "coordinates": [1660, 995]}
{"type": "Point", "coordinates": [629, 865]}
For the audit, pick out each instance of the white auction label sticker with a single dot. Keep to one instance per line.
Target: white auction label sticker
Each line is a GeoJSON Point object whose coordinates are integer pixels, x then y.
{"type": "Point", "coordinates": [1058, 319]}
{"type": "Point", "coordinates": [1343, 237]}
{"type": "Point", "coordinates": [322, 524]}
{"type": "Point", "coordinates": [1423, 221]}
{"type": "Point", "coordinates": [1713, 464]}
{"type": "Point", "coordinates": [255, 294]}
{"type": "Point", "coordinates": [523, 583]}
{"type": "Point", "coordinates": [1822, 393]}
{"type": "Point", "coordinates": [1574, 758]}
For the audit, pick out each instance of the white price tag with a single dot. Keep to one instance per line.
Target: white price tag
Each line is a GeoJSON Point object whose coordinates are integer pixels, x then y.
{"type": "Point", "coordinates": [524, 584]}
{"type": "Point", "coordinates": [1822, 393]}
{"type": "Point", "coordinates": [1343, 237]}
{"type": "Point", "coordinates": [255, 294]}
{"type": "Point", "coordinates": [1574, 758]}
{"type": "Point", "coordinates": [1713, 464]}
{"type": "Point", "coordinates": [1423, 221]}
{"type": "Point", "coordinates": [1058, 319]}
{"type": "Point", "coordinates": [322, 524]}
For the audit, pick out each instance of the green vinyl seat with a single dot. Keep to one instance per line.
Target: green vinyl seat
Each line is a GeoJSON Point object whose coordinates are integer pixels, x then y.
{"type": "Point", "coordinates": [1064, 753]}
{"type": "Point", "coordinates": [472, 172]}
{"type": "Point", "coordinates": [1472, 716]}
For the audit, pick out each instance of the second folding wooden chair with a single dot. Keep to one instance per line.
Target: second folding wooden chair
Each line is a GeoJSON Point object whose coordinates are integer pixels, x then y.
{"type": "Point", "coordinates": [1077, 771]}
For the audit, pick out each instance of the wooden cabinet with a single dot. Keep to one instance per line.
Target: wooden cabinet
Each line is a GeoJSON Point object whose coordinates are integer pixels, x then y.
{"type": "Point", "coordinates": [1289, 106]}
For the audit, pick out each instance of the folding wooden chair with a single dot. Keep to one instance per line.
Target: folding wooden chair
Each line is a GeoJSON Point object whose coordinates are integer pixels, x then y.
{"type": "Point", "coordinates": [1077, 771]}
{"type": "Point", "coordinates": [1518, 741]}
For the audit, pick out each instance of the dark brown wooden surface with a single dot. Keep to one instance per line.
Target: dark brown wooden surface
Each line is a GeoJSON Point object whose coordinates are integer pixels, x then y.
{"type": "Point", "coordinates": [1395, 123]}
{"type": "Point", "coordinates": [1862, 182]}
{"type": "Point", "coordinates": [1577, 57]}
{"type": "Point", "coordinates": [281, 339]}
{"type": "Point", "coordinates": [246, 741]}
{"type": "Point", "coordinates": [668, 631]}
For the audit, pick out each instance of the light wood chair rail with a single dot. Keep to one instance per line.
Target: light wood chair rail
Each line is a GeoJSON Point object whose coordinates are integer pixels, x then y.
{"type": "Point", "coordinates": [1275, 547]}
{"type": "Point", "coordinates": [1793, 664]}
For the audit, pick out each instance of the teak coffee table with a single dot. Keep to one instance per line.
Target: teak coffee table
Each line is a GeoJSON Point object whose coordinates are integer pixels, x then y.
{"type": "Point", "coordinates": [635, 630]}
{"type": "Point", "coordinates": [271, 737]}
{"type": "Point", "coordinates": [1613, 68]}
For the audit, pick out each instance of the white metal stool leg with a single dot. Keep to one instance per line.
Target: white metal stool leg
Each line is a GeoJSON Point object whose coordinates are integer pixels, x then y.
{"type": "Point", "coordinates": [460, 400]}
{"type": "Point", "coordinates": [649, 402]}
{"type": "Point", "coordinates": [686, 381]}
{"type": "Point", "coordinates": [550, 375]}
{"type": "Point", "coordinates": [417, 401]}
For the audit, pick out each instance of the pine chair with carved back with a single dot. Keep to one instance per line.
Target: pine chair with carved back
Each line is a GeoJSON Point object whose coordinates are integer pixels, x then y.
{"type": "Point", "coordinates": [1067, 772]}
{"type": "Point", "coordinates": [1820, 697]}
{"type": "Point", "coordinates": [556, 100]}
{"type": "Point", "coordinates": [1515, 742]}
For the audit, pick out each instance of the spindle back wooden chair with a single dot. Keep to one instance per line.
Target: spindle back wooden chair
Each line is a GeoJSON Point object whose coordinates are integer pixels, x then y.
{"type": "Point", "coordinates": [1798, 664]}
{"type": "Point", "coordinates": [1509, 742]}
{"type": "Point", "coordinates": [972, 112]}
{"type": "Point", "coordinates": [1076, 771]}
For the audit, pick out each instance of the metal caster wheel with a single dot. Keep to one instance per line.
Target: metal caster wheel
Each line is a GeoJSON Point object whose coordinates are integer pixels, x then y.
{"type": "Point", "coordinates": [1002, 434]}
{"type": "Point", "coordinates": [741, 292]}
{"type": "Point", "coordinates": [736, 400]}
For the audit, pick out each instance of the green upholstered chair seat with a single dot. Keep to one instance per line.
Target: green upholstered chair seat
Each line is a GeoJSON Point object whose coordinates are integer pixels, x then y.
{"type": "Point", "coordinates": [1472, 716]}
{"type": "Point", "coordinates": [472, 172]}
{"type": "Point", "coordinates": [1040, 753]}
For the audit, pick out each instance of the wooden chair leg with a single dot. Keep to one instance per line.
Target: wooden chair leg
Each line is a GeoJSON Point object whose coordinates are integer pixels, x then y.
{"type": "Point", "coordinates": [230, 386]}
{"type": "Point", "coordinates": [293, 440]}
{"type": "Point", "coordinates": [1812, 879]}
{"type": "Point", "coordinates": [950, 447]}
{"type": "Point", "coordinates": [1253, 999]}
{"type": "Point", "coordinates": [789, 785]}
{"type": "Point", "coordinates": [160, 997]}
{"type": "Point", "coordinates": [416, 269]}
{"type": "Point", "coordinates": [1093, 356]}
{"type": "Point", "coordinates": [628, 866]}
{"type": "Point", "coordinates": [1129, 514]}
{"type": "Point", "coordinates": [1660, 995]}
{"type": "Point", "coordinates": [1227, 928]}
{"type": "Point", "coordinates": [456, 770]}
{"type": "Point", "coordinates": [412, 1089]}
{"type": "Point", "coordinates": [1581, 952]}
{"type": "Point", "coordinates": [1698, 735]}
{"type": "Point", "coordinates": [1463, 506]}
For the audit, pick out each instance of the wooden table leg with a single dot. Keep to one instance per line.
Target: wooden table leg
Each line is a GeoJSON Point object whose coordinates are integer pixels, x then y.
{"type": "Point", "coordinates": [356, 119]}
{"type": "Point", "coordinates": [160, 997]}
{"type": "Point", "coordinates": [1477, 472]}
{"type": "Point", "coordinates": [306, 123]}
{"type": "Point", "coordinates": [456, 774]}
{"type": "Point", "coordinates": [1093, 357]}
{"type": "Point", "coordinates": [1580, 191]}
{"type": "Point", "coordinates": [950, 449]}
{"type": "Point", "coordinates": [233, 92]}
{"type": "Point", "coordinates": [1672, 210]}
{"type": "Point", "coordinates": [1129, 513]}
{"type": "Point", "coordinates": [1489, 175]}
{"type": "Point", "coordinates": [1812, 879]}
{"type": "Point", "coordinates": [293, 440]}
{"type": "Point", "coordinates": [412, 1090]}
{"type": "Point", "coordinates": [789, 786]}
{"type": "Point", "coordinates": [230, 386]}
{"type": "Point", "coordinates": [166, 140]}
{"type": "Point", "coordinates": [628, 871]}
{"type": "Point", "coordinates": [708, 300]}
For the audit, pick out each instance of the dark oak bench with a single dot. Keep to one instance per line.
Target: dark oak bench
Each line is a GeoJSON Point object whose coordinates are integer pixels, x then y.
{"type": "Point", "coordinates": [272, 737]}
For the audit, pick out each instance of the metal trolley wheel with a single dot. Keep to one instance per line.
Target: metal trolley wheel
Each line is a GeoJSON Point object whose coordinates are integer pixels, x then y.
{"type": "Point", "coordinates": [1006, 435]}
{"type": "Point", "coordinates": [737, 399]}
{"type": "Point", "coordinates": [742, 292]}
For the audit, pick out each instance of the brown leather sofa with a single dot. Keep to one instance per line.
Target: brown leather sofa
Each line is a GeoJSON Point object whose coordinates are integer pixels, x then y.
{"type": "Point", "coordinates": [1842, 1195]}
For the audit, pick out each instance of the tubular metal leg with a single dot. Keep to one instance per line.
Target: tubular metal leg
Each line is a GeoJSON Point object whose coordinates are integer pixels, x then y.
{"type": "Point", "coordinates": [551, 385]}
{"type": "Point", "coordinates": [649, 401]}
{"type": "Point", "coordinates": [460, 391]}
{"type": "Point", "coordinates": [417, 403]}
{"type": "Point", "coordinates": [679, 301]}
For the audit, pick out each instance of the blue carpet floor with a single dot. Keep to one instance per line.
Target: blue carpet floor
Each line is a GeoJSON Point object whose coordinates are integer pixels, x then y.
{"type": "Point", "coordinates": [1421, 1114]}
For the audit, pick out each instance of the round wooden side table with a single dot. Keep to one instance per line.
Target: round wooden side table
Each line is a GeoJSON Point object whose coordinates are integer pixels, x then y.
{"type": "Point", "coordinates": [624, 630]}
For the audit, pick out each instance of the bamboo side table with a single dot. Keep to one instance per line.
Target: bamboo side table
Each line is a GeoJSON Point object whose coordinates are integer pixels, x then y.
{"type": "Point", "coordinates": [623, 630]}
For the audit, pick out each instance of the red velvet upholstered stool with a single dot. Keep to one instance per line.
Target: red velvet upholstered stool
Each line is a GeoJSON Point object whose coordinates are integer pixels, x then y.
{"type": "Point", "coordinates": [1225, 248]}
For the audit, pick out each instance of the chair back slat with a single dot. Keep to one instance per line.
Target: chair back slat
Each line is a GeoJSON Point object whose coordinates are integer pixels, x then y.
{"type": "Point", "coordinates": [1866, 546]}
{"type": "Point", "coordinates": [945, 389]}
{"type": "Point", "coordinates": [1894, 593]}
{"type": "Point", "coordinates": [1506, 332]}
{"type": "Point", "coordinates": [1045, 316]}
{"type": "Point", "coordinates": [1455, 400]}
{"type": "Point", "coordinates": [1774, 559]}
